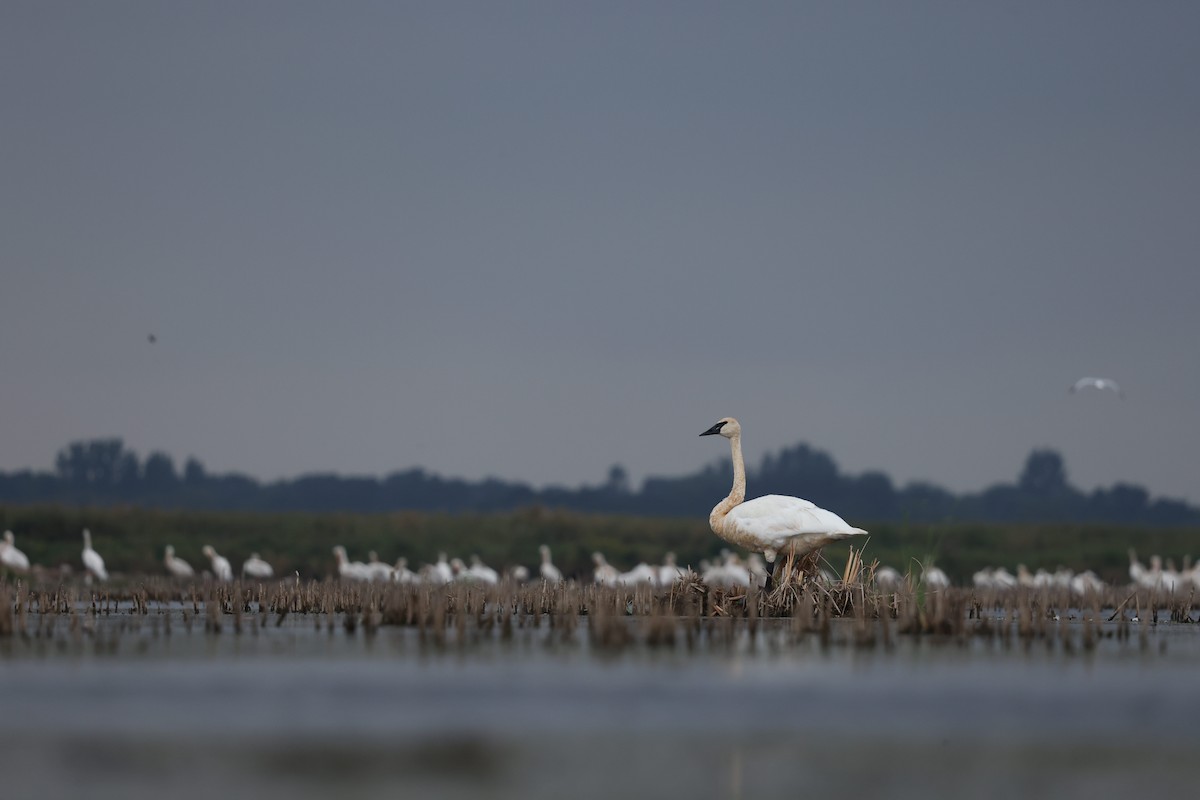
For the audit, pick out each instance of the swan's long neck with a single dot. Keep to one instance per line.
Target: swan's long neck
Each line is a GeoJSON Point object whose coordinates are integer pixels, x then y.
{"type": "Point", "coordinates": [738, 493]}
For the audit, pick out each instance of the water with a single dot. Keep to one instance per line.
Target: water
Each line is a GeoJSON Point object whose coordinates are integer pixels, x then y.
{"type": "Point", "coordinates": [131, 711]}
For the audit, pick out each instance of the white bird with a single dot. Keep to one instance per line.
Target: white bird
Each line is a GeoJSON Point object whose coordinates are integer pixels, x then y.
{"type": "Point", "coordinates": [1097, 383]}
{"type": "Point", "coordinates": [669, 572]}
{"type": "Point", "coordinates": [440, 572]}
{"type": "Point", "coordinates": [518, 574]}
{"type": "Point", "coordinates": [176, 566]}
{"type": "Point", "coordinates": [604, 574]}
{"type": "Point", "coordinates": [401, 573]}
{"type": "Point", "coordinates": [728, 574]}
{"type": "Point", "coordinates": [255, 567]}
{"type": "Point", "coordinates": [376, 570]}
{"type": "Point", "coordinates": [92, 562]}
{"type": "Point", "coordinates": [481, 572]}
{"type": "Point", "coordinates": [10, 556]}
{"type": "Point", "coordinates": [888, 580]}
{"type": "Point", "coordinates": [349, 570]}
{"type": "Point", "coordinates": [772, 524]}
{"type": "Point", "coordinates": [548, 571]}
{"type": "Point", "coordinates": [643, 573]}
{"type": "Point", "coordinates": [220, 564]}
{"type": "Point", "coordinates": [934, 578]}
{"type": "Point", "coordinates": [1003, 579]}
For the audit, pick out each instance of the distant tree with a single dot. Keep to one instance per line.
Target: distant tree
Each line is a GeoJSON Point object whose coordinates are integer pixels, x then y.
{"type": "Point", "coordinates": [1044, 474]}
{"type": "Point", "coordinates": [618, 480]}
{"type": "Point", "coordinates": [159, 474]}
{"type": "Point", "coordinates": [193, 471]}
{"type": "Point", "coordinates": [95, 463]}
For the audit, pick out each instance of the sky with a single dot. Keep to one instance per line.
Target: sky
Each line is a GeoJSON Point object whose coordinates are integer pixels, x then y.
{"type": "Point", "coordinates": [532, 240]}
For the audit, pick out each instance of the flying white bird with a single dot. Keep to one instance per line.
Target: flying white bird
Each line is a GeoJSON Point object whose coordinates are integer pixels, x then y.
{"type": "Point", "coordinates": [176, 566]}
{"type": "Point", "coordinates": [773, 524]}
{"type": "Point", "coordinates": [220, 564]}
{"type": "Point", "coordinates": [10, 556]}
{"type": "Point", "coordinates": [92, 561]}
{"type": "Point", "coordinates": [1097, 383]}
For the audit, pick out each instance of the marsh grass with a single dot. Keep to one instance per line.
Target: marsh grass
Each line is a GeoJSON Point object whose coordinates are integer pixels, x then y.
{"type": "Point", "coordinates": [686, 616]}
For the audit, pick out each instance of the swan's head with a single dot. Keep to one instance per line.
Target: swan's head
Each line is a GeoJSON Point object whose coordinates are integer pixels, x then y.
{"type": "Point", "coordinates": [170, 551]}
{"type": "Point", "coordinates": [598, 558]}
{"type": "Point", "coordinates": [254, 557]}
{"type": "Point", "coordinates": [544, 550]}
{"type": "Point", "coordinates": [727, 427]}
{"type": "Point", "coordinates": [8, 537]}
{"type": "Point", "coordinates": [401, 563]}
{"type": "Point", "coordinates": [457, 565]}
{"type": "Point", "coordinates": [339, 551]}
{"type": "Point", "coordinates": [208, 550]}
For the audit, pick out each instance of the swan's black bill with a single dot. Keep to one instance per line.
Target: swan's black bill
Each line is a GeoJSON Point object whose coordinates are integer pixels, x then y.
{"type": "Point", "coordinates": [714, 429]}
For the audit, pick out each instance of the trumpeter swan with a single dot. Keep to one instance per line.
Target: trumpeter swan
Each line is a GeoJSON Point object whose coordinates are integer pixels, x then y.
{"type": "Point", "coordinates": [888, 580]}
{"type": "Point", "coordinates": [92, 561]}
{"type": "Point", "coordinates": [401, 573]}
{"type": "Point", "coordinates": [643, 573]}
{"type": "Point", "coordinates": [481, 572]}
{"type": "Point", "coordinates": [983, 579]}
{"type": "Point", "coordinates": [255, 567]}
{"type": "Point", "coordinates": [604, 574]}
{"type": "Point", "coordinates": [728, 574]}
{"type": "Point", "coordinates": [934, 578]}
{"type": "Point", "coordinates": [774, 523]}
{"type": "Point", "coordinates": [176, 566]}
{"type": "Point", "coordinates": [221, 568]}
{"type": "Point", "coordinates": [1003, 579]}
{"type": "Point", "coordinates": [1097, 383]}
{"type": "Point", "coordinates": [10, 556]}
{"type": "Point", "coordinates": [349, 570]}
{"type": "Point", "coordinates": [376, 569]}
{"type": "Point", "coordinates": [548, 571]}
{"type": "Point", "coordinates": [669, 572]}
{"type": "Point", "coordinates": [440, 572]}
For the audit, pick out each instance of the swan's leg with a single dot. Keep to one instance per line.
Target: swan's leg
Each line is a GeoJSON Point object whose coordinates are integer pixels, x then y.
{"type": "Point", "coordinates": [770, 584]}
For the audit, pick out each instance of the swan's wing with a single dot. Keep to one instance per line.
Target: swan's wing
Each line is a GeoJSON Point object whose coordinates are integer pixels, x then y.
{"type": "Point", "coordinates": [776, 517]}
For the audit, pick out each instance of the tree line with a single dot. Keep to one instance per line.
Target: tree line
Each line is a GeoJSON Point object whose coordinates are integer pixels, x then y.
{"type": "Point", "coordinates": [103, 472]}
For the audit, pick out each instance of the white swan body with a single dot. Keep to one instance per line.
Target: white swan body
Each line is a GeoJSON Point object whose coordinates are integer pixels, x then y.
{"type": "Point", "coordinates": [604, 574]}
{"type": "Point", "coordinates": [548, 571]}
{"type": "Point", "coordinates": [376, 570]}
{"type": "Point", "coordinates": [669, 572]}
{"type": "Point", "coordinates": [482, 573]}
{"type": "Point", "coordinates": [440, 572]}
{"type": "Point", "coordinates": [221, 568]}
{"type": "Point", "coordinates": [401, 573]}
{"type": "Point", "coordinates": [774, 523]}
{"type": "Point", "coordinates": [935, 579]}
{"type": "Point", "coordinates": [349, 570]}
{"type": "Point", "coordinates": [176, 566]}
{"type": "Point", "coordinates": [255, 567]}
{"type": "Point", "coordinates": [643, 573]}
{"type": "Point", "coordinates": [92, 561]}
{"type": "Point", "coordinates": [10, 556]}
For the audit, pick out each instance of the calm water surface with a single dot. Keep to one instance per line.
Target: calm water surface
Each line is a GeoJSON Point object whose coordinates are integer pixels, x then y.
{"type": "Point", "coordinates": [297, 711]}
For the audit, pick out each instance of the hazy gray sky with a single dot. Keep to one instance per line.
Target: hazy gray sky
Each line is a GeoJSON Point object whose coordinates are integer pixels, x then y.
{"type": "Point", "coordinates": [534, 239]}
